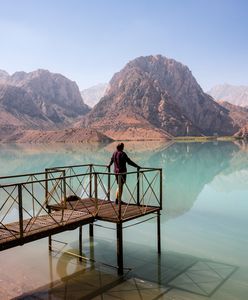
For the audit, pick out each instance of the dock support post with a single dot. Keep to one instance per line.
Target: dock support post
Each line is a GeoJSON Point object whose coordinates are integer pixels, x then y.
{"type": "Point", "coordinates": [158, 232]}
{"type": "Point", "coordinates": [119, 248]}
{"type": "Point", "coordinates": [49, 237]}
{"type": "Point", "coordinates": [160, 189]}
{"type": "Point", "coordinates": [50, 243]}
{"type": "Point", "coordinates": [80, 242]}
{"type": "Point", "coordinates": [91, 230]}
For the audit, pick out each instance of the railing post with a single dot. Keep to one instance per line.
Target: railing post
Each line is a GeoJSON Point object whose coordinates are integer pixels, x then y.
{"type": "Point", "coordinates": [48, 207]}
{"type": "Point", "coordinates": [109, 182]}
{"type": "Point", "coordinates": [119, 196]}
{"type": "Point", "coordinates": [32, 188]}
{"type": "Point", "coordinates": [91, 228]}
{"type": "Point", "coordinates": [46, 187]}
{"type": "Point", "coordinates": [64, 188]}
{"type": "Point", "coordinates": [63, 194]}
{"type": "Point", "coordinates": [95, 186]}
{"type": "Point", "coordinates": [20, 210]}
{"type": "Point", "coordinates": [90, 181]}
{"type": "Point", "coordinates": [161, 189]}
{"type": "Point", "coordinates": [138, 186]}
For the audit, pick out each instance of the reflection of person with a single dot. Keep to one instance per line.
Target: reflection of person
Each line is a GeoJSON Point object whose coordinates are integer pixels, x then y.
{"type": "Point", "coordinates": [120, 158]}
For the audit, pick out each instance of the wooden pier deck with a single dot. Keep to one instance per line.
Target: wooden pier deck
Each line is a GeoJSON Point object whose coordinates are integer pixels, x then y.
{"type": "Point", "coordinates": [109, 211]}
{"type": "Point", "coordinates": [43, 226]}
{"type": "Point", "coordinates": [48, 203]}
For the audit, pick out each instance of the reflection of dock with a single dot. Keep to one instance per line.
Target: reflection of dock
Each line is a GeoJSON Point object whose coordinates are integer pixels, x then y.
{"type": "Point", "coordinates": [44, 208]}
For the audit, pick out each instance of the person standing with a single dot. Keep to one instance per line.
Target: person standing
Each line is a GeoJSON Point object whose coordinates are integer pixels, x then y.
{"type": "Point", "coordinates": [120, 159]}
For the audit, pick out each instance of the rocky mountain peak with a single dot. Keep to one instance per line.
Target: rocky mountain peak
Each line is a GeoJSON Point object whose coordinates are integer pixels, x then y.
{"type": "Point", "coordinates": [163, 93]}
{"type": "Point", "coordinates": [40, 99]}
{"type": "Point", "coordinates": [3, 76]}
{"type": "Point", "coordinates": [50, 88]}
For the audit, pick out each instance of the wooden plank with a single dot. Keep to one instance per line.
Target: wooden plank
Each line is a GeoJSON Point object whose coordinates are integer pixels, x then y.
{"type": "Point", "coordinates": [42, 226]}
{"type": "Point", "coordinates": [77, 213]}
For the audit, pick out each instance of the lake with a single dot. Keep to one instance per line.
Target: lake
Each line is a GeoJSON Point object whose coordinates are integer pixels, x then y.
{"type": "Point", "coordinates": [203, 223]}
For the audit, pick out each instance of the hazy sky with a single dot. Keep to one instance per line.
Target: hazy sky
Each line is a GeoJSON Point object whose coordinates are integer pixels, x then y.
{"type": "Point", "coordinates": [88, 41]}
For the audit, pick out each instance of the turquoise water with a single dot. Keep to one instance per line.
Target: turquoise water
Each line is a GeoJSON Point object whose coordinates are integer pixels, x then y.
{"type": "Point", "coordinates": [204, 219]}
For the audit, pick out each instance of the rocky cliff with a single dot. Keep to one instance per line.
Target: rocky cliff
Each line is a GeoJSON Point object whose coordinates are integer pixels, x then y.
{"type": "Point", "coordinates": [237, 95]}
{"type": "Point", "coordinates": [161, 95]}
{"type": "Point", "coordinates": [38, 100]}
{"type": "Point", "coordinates": [3, 76]}
{"type": "Point", "coordinates": [57, 97]}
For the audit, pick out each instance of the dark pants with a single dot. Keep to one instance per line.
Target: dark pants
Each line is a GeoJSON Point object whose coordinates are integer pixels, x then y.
{"type": "Point", "coordinates": [123, 178]}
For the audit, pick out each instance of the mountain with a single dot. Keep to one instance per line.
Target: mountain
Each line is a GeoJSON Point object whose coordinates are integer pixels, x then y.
{"type": "Point", "coordinates": [160, 95]}
{"type": "Point", "coordinates": [3, 76]}
{"type": "Point", "coordinates": [39, 100]}
{"type": "Point", "coordinates": [93, 94]}
{"type": "Point", "coordinates": [237, 95]}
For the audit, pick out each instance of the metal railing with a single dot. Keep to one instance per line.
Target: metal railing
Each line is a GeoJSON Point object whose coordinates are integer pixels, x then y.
{"type": "Point", "coordinates": [27, 200]}
{"type": "Point", "coordinates": [143, 187]}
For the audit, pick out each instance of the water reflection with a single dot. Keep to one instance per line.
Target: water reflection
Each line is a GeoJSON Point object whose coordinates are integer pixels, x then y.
{"type": "Point", "coordinates": [188, 168]}
{"type": "Point", "coordinates": [204, 217]}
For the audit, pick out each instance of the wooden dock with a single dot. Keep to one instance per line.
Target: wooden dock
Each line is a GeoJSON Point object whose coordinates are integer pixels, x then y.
{"type": "Point", "coordinates": [49, 203]}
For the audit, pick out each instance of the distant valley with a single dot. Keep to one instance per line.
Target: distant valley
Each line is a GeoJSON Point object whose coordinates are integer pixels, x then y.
{"type": "Point", "coordinates": [151, 98]}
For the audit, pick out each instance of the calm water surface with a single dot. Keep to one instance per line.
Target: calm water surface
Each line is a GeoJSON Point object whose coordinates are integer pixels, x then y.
{"type": "Point", "coordinates": [204, 223]}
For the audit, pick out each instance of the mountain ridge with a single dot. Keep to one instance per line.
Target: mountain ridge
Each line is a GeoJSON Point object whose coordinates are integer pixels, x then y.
{"type": "Point", "coordinates": [40, 99]}
{"type": "Point", "coordinates": [165, 94]}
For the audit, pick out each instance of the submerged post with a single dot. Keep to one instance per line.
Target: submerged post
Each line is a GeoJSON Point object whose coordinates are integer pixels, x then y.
{"type": "Point", "coordinates": [119, 248]}
{"type": "Point", "coordinates": [158, 232]}
{"type": "Point", "coordinates": [80, 243]}
{"type": "Point", "coordinates": [49, 237]}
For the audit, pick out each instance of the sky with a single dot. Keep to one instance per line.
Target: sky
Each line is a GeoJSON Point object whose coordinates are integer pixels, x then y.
{"type": "Point", "coordinates": [89, 41]}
